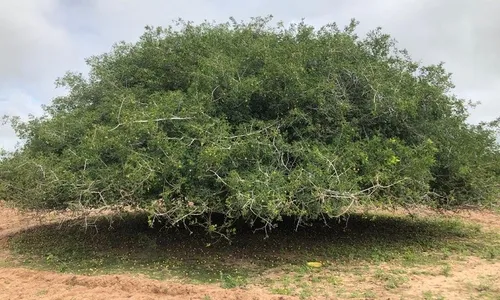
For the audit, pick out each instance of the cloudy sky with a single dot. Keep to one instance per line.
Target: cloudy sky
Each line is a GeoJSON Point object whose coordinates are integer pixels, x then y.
{"type": "Point", "coordinates": [42, 39]}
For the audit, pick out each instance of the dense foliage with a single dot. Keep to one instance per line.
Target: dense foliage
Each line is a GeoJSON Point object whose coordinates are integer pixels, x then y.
{"type": "Point", "coordinates": [254, 122]}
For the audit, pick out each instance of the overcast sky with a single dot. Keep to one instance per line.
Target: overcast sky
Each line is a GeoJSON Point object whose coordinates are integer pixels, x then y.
{"type": "Point", "coordinates": [42, 39]}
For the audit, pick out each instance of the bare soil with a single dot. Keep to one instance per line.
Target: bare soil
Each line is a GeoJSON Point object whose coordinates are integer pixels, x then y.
{"type": "Point", "coordinates": [18, 283]}
{"type": "Point", "coordinates": [469, 278]}
{"type": "Point", "coordinates": [21, 283]}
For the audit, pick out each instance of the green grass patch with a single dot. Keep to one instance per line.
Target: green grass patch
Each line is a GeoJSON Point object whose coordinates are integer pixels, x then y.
{"type": "Point", "coordinates": [428, 295]}
{"type": "Point", "coordinates": [390, 280]}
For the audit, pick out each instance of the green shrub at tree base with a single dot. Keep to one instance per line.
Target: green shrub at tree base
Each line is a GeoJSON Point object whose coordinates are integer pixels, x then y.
{"type": "Point", "coordinates": [253, 122]}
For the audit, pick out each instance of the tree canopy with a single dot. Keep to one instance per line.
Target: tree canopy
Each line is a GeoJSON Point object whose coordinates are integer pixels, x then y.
{"type": "Point", "coordinates": [255, 122]}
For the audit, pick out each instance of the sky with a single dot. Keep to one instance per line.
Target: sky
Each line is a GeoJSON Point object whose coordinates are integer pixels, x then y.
{"type": "Point", "coordinates": [42, 39]}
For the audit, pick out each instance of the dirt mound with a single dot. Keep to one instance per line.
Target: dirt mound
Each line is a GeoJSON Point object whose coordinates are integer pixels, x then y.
{"type": "Point", "coordinates": [16, 283]}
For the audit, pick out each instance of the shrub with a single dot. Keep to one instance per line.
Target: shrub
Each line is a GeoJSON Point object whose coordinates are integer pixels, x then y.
{"type": "Point", "coordinates": [253, 122]}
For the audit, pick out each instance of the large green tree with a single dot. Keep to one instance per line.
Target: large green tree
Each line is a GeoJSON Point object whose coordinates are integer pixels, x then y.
{"type": "Point", "coordinates": [253, 122]}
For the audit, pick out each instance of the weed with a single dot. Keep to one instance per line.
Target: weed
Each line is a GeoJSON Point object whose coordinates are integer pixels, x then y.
{"type": "Point", "coordinates": [428, 295]}
{"type": "Point", "coordinates": [286, 280]}
{"type": "Point", "coordinates": [305, 293]}
{"type": "Point", "coordinates": [483, 287]}
{"type": "Point", "coordinates": [369, 294]}
{"type": "Point", "coordinates": [356, 294]}
{"type": "Point", "coordinates": [42, 293]}
{"type": "Point", "coordinates": [334, 280]}
{"type": "Point", "coordinates": [446, 270]}
{"type": "Point", "coordinates": [487, 287]}
{"type": "Point", "coordinates": [282, 291]}
{"type": "Point", "coordinates": [392, 281]}
{"type": "Point", "coordinates": [229, 282]}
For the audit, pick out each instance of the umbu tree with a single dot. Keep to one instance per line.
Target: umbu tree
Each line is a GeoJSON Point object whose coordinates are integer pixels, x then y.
{"type": "Point", "coordinates": [253, 122]}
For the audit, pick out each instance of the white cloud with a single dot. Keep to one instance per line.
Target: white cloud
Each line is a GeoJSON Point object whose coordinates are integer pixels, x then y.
{"type": "Point", "coordinates": [41, 39]}
{"type": "Point", "coordinates": [462, 33]}
{"type": "Point", "coordinates": [34, 52]}
{"type": "Point", "coordinates": [16, 103]}
{"type": "Point", "coordinates": [31, 44]}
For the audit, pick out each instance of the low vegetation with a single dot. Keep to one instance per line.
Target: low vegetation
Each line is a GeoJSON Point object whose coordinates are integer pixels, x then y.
{"type": "Point", "coordinates": [362, 246]}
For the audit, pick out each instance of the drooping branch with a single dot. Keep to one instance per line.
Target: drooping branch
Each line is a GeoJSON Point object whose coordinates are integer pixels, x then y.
{"type": "Point", "coordinates": [153, 120]}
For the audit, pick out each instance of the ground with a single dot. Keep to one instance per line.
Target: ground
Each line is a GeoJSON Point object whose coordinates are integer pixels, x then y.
{"type": "Point", "coordinates": [376, 255]}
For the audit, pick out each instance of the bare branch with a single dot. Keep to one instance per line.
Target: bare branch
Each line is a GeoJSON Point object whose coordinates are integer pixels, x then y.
{"type": "Point", "coordinates": [153, 120]}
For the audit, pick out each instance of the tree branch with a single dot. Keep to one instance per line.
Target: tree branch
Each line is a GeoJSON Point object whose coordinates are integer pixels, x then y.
{"type": "Point", "coordinates": [154, 120]}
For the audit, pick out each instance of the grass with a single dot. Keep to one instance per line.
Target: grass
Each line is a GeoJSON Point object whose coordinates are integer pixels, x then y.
{"type": "Point", "coordinates": [130, 246]}
{"type": "Point", "coordinates": [391, 281]}
{"type": "Point", "coordinates": [486, 287]}
{"type": "Point", "coordinates": [446, 270]}
{"type": "Point", "coordinates": [41, 293]}
{"type": "Point", "coordinates": [229, 282]}
{"type": "Point", "coordinates": [428, 295]}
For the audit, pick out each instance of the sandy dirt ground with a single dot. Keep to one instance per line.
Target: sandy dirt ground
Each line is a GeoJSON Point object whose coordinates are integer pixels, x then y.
{"type": "Point", "coordinates": [21, 283]}
{"type": "Point", "coordinates": [466, 281]}
{"type": "Point", "coordinates": [469, 276]}
{"type": "Point", "coordinates": [18, 283]}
